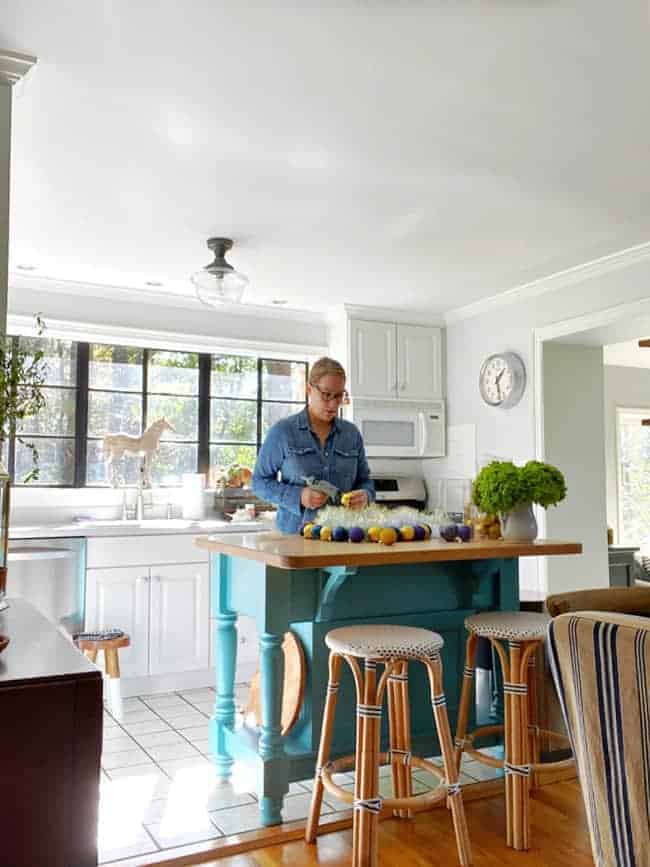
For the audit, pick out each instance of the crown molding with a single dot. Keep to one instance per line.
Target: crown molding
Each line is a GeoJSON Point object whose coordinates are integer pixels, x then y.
{"type": "Point", "coordinates": [66, 329]}
{"type": "Point", "coordinates": [43, 283]}
{"type": "Point", "coordinates": [560, 280]}
{"type": "Point", "coordinates": [384, 314]}
{"type": "Point", "coordinates": [14, 66]}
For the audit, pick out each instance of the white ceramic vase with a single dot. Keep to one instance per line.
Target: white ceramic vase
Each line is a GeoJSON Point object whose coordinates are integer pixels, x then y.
{"type": "Point", "coordinates": [519, 524]}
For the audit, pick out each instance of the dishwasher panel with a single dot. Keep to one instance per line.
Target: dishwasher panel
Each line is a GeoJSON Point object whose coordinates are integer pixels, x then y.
{"type": "Point", "coordinates": [51, 574]}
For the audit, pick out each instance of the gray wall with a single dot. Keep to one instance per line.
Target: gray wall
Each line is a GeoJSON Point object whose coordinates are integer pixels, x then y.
{"type": "Point", "coordinates": [574, 441]}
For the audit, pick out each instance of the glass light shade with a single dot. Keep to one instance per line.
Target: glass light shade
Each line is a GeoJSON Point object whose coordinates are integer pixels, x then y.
{"type": "Point", "coordinates": [215, 286]}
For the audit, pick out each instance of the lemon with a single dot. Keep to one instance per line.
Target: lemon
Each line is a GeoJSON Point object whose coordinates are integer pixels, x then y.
{"type": "Point", "coordinates": [326, 534]}
{"type": "Point", "coordinates": [374, 533]}
{"type": "Point", "coordinates": [388, 536]}
{"type": "Point", "coordinates": [407, 533]}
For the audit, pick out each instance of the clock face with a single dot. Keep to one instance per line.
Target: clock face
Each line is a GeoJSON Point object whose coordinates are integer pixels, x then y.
{"type": "Point", "coordinates": [502, 379]}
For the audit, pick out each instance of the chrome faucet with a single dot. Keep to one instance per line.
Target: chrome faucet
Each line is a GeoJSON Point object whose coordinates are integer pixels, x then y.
{"type": "Point", "coordinates": [139, 502]}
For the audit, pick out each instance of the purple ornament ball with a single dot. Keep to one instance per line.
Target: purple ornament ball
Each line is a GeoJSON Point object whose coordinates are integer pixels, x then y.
{"type": "Point", "coordinates": [464, 532]}
{"type": "Point", "coordinates": [419, 532]}
{"type": "Point", "coordinates": [356, 534]}
{"type": "Point", "coordinates": [448, 532]}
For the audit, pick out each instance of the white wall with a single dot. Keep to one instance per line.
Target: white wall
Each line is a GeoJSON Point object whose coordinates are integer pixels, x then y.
{"type": "Point", "coordinates": [511, 326]}
{"type": "Point", "coordinates": [625, 387]}
{"type": "Point", "coordinates": [574, 441]}
{"type": "Point", "coordinates": [176, 315]}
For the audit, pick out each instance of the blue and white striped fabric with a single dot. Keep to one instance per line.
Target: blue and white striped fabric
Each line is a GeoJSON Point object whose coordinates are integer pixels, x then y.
{"type": "Point", "coordinates": [601, 666]}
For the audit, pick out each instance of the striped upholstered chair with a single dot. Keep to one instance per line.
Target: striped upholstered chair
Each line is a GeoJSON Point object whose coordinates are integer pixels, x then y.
{"type": "Point", "coordinates": [601, 666]}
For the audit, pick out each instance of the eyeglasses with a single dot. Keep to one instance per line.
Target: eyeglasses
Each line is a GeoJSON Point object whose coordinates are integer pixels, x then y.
{"type": "Point", "coordinates": [339, 396]}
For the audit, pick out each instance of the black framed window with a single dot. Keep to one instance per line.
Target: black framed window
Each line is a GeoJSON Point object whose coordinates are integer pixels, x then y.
{"type": "Point", "coordinates": [220, 407]}
{"type": "Point", "coordinates": [53, 431]}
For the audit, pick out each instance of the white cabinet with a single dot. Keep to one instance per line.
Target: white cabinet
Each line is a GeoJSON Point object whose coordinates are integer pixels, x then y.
{"type": "Point", "coordinates": [132, 583]}
{"type": "Point", "coordinates": [394, 361]}
{"type": "Point", "coordinates": [419, 363]}
{"type": "Point", "coordinates": [120, 597]}
{"type": "Point", "coordinates": [179, 618]}
{"type": "Point", "coordinates": [373, 363]}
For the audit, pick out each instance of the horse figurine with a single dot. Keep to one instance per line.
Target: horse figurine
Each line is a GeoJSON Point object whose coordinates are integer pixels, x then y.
{"type": "Point", "coordinates": [116, 445]}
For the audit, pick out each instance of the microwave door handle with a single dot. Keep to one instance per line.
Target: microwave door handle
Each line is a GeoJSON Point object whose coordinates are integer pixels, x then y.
{"type": "Point", "coordinates": [424, 434]}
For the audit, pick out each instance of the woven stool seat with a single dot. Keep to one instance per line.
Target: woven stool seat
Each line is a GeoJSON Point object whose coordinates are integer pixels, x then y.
{"type": "Point", "coordinates": [385, 642]}
{"type": "Point", "coordinates": [509, 625]}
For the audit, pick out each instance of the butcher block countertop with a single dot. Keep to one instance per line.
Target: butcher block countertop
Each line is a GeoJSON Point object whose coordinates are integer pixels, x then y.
{"type": "Point", "coordinates": [294, 552]}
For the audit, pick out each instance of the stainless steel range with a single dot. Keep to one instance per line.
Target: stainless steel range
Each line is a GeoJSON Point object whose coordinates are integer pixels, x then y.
{"type": "Point", "coordinates": [393, 491]}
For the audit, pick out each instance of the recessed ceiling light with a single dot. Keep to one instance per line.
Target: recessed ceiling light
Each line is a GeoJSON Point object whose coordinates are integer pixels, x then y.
{"type": "Point", "coordinates": [153, 283]}
{"type": "Point", "coordinates": [26, 267]}
{"type": "Point", "coordinates": [279, 301]}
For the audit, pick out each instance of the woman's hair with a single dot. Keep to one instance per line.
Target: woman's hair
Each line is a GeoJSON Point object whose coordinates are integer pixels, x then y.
{"type": "Point", "coordinates": [324, 367]}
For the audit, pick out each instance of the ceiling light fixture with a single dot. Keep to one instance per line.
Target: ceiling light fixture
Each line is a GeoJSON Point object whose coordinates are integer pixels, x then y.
{"type": "Point", "coordinates": [154, 283]}
{"type": "Point", "coordinates": [219, 283]}
{"type": "Point", "coordinates": [26, 267]}
{"type": "Point", "coordinates": [279, 301]}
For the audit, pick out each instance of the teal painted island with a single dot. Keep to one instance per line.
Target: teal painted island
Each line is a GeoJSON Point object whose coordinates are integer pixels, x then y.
{"type": "Point", "coordinates": [287, 583]}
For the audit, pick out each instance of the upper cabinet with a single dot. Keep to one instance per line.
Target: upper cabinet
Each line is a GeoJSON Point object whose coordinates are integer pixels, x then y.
{"type": "Point", "coordinates": [391, 361]}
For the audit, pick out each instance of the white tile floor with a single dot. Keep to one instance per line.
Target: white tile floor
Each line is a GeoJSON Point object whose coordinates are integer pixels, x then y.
{"type": "Point", "coordinates": [159, 790]}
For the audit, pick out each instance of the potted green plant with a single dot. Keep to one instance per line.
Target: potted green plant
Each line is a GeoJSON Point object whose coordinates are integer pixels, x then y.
{"type": "Point", "coordinates": [509, 491]}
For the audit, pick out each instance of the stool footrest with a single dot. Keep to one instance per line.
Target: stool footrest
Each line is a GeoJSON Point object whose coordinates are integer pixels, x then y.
{"type": "Point", "coordinates": [414, 802]}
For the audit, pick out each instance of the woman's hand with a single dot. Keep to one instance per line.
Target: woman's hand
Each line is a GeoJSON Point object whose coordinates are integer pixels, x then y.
{"type": "Point", "coordinates": [356, 499]}
{"type": "Point", "coordinates": [313, 499]}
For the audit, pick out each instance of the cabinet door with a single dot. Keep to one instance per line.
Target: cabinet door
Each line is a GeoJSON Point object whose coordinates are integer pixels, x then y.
{"type": "Point", "coordinates": [419, 363]}
{"type": "Point", "coordinates": [120, 597]}
{"type": "Point", "coordinates": [373, 369]}
{"type": "Point", "coordinates": [180, 618]}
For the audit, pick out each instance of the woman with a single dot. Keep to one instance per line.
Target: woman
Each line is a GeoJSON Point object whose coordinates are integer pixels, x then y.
{"type": "Point", "coordinates": [314, 442]}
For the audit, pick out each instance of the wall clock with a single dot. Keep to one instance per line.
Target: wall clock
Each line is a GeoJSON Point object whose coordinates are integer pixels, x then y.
{"type": "Point", "coordinates": [502, 379]}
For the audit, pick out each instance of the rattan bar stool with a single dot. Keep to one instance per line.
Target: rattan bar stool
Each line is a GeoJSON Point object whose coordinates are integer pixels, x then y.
{"type": "Point", "coordinates": [393, 647]}
{"type": "Point", "coordinates": [524, 633]}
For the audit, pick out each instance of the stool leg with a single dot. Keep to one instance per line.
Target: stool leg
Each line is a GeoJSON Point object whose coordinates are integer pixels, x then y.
{"type": "Point", "coordinates": [91, 655]}
{"type": "Point", "coordinates": [325, 746]}
{"type": "Point", "coordinates": [366, 787]}
{"type": "Point", "coordinates": [113, 673]}
{"type": "Point", "coordinates": [533, 728]}
{"type": "Point", "coordinates": [518, 695]}
{"type": "Point", "coordinates": [434, 670]}
{"type": "Point", "coordinates": [466, 694]}
{"type": "Point", "coordinates": [399, 733]}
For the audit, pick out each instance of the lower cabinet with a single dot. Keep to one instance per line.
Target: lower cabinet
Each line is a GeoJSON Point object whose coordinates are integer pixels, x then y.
{"type": "Point", "coordinates": [165, 609]}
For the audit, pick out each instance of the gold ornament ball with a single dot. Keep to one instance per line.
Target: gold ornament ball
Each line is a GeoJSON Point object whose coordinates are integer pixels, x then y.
{"type": "Point", "coordinates": [407, 533]}
{"type": "Point", "coordinates": [374, 533]}
{"type": "Point", "coordinates": [307, 531]}
{"type": "Point", "coordinates": [326, 534]}
{"type": "Point", "coordinates": [388, 536]}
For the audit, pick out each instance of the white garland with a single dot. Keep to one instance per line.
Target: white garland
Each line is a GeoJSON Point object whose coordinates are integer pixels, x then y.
{"type": "Point", "coordinates": [379, 516]}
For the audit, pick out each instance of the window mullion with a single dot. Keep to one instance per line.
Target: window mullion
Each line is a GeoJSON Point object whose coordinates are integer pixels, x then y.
{"type": "Point", "coordinates": [205, 368]}
{"type": "Point", "coordinates": [145, 386]}
{"type": "Point", "coordinates": [259, 403]}
{"type": "Point", "coordinates": [81, 415]}
{"type": "Point", "coordinates": [11, 433]}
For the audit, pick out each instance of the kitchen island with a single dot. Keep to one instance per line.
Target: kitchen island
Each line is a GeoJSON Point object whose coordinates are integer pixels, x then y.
{"type": "Point", "coordinates": [309, 587]}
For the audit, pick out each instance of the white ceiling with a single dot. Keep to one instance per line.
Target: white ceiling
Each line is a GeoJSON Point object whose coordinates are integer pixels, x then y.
{"type": "Point", "coordinates": [405, 154]}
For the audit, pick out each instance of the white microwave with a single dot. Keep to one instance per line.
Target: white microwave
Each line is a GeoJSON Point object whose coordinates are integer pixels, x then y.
{"type": "Point", "coordinates": [401, 429]}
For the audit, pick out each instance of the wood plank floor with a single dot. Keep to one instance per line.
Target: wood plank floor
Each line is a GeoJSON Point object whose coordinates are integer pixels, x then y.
{"type": "Point", "coordinates": [559, 834]}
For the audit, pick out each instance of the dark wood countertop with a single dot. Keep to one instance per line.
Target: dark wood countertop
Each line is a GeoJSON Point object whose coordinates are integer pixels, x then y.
{"type": "Point", "coordinates": [294, 552]}
{"type": "Point", "coordinates": [37, 651]}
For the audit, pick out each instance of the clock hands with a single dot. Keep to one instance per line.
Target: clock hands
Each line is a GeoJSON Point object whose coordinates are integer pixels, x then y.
{"type": "Point", "coordinates": [498, 380]}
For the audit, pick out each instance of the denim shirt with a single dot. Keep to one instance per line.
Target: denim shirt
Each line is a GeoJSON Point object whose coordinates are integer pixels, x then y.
{"type": "Point", "coordinates": [292, 450]}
